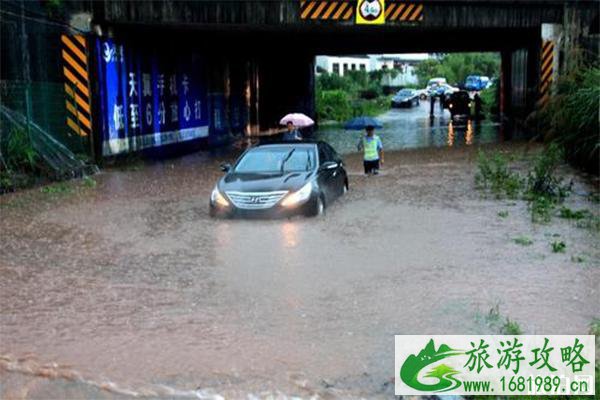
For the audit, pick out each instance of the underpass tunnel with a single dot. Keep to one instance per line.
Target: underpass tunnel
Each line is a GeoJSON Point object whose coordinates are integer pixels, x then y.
{"type": "Point", "coordinates": [246, 79]}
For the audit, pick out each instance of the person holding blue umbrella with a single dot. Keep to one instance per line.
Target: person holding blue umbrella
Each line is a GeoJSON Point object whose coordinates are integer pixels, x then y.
{"type": "Point", "coordinates": [372, 148]}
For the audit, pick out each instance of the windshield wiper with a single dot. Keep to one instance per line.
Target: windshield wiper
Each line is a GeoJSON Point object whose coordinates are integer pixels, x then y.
{"type": "Point", "coordinates": [287, 157]}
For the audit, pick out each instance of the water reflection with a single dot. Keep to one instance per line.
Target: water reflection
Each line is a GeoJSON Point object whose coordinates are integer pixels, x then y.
{"type": "Point", "coordinates": [460, 129]}
{"type": "Point", "coordinates": [413, 128]}
{"type": "Point", "coordinates": [290, 234]}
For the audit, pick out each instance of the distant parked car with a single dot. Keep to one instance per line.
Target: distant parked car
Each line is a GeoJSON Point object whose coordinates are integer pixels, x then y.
{"type": "Point", "coordinates": [422, 93]}
{"type": "Point", "coordinates": [459, 104]}
{"type": "Point", "coordinates": [436, 81]}
{"type": "Point", "coordinates": [438, 90]}
{"type": "Point", "coordinates": [476, 82]}
{"type": "Point", "coordinates": [405, 98]}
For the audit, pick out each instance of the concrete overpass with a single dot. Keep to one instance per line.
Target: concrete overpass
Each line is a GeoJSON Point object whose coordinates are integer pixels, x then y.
{"type": "Point", "coordinates": [257, 57]}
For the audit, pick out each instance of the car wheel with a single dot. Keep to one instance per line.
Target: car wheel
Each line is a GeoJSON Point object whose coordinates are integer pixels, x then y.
{"type": "Point", "coordinates": [345, 188]}
{"type": "Point", "coordinates": [318, 208]}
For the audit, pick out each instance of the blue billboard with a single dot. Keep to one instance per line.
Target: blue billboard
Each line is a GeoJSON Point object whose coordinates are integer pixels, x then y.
{"type": "Point", "coordinates": [148, 98]}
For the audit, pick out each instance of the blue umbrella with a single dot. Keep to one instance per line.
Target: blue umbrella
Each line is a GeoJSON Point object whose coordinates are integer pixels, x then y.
{"type": "Point", "coordinates": [359, 123]}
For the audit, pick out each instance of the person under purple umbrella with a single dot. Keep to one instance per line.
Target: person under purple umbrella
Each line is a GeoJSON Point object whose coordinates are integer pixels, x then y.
{"type": "Point", "coordinates": [292, 133]}
{"type": "Point", "coordinates": [292, 122]}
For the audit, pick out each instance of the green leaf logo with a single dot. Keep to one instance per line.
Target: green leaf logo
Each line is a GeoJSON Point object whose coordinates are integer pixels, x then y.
{"type": "Point", "coordinates": [409, 372]}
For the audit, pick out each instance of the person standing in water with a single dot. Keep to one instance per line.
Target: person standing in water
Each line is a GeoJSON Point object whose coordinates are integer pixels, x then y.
{"type": "Point", "coordinates": [372, 148]}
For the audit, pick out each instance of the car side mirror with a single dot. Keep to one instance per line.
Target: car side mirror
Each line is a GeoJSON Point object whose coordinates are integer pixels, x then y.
{"type": "Point", "coordinates": [225, 167]}
{"type": "Point", "coordinates": [329, 165]}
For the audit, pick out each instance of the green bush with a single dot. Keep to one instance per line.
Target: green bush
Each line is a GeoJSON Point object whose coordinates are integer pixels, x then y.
{"type": "Point", "coordinates": [18, 151]}
{"type": "Point", "coordinates": [333, 105]}
{"type": "Point", "coordinates": [567, 213]}
{"type": "Point", "coordinates": [558, 246]}
{"type": "Point", "coordinates": [356, 93]}
{"type": "Point", "coordinates": [494, 175]}
{"type": "Point", "coordinates": [19, 160]}
{"type": "Point", "coordinates": [570, 117]}
{"type": "Point", "coordinates": [542, 180]}
{"type": "Point", "coordinates": [490, 99]}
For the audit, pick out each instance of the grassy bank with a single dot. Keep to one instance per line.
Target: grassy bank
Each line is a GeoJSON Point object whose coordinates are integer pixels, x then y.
{"type": "Point", "coordinates": [570, 118]}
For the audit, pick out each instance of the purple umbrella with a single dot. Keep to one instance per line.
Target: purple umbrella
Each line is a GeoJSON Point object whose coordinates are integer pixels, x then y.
{"type": "Point", "coordinates": [299, 120]}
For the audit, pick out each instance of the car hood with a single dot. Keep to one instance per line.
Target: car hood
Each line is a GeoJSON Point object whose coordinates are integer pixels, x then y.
{"type": "Point", "coordinates": [264, 182]}
{"type": "Point", "coordinates": [402, 98]}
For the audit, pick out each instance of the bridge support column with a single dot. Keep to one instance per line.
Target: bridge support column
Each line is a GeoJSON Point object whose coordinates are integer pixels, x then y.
{"type": "Point", "coordinates": [550, 59]}
{"type": "Point", "coordinates": [286, 85]}
{"type": "Point", "coordinates": [505, 83]}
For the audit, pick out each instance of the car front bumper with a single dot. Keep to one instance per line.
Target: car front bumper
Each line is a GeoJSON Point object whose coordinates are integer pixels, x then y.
{"type": "Point", "coordinates": [277, 211]}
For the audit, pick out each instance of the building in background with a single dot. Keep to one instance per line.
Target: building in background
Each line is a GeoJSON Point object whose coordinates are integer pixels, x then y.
{"type": "Point", "coordinates": [341, 64]}
{"type": "Point", "coordinates": [403, 64]}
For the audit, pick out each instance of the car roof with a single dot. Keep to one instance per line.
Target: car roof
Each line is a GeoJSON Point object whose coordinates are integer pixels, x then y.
{"type": "Point", "coordinates": [294, 143]}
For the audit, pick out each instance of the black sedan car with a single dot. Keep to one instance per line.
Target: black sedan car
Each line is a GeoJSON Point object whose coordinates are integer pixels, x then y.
{"type": "Point", "coordinates": [280, 180]}
{"type": "Point", "coordinates": [406, 98]}
{"type": "Point", "coordinates": [459, 104]}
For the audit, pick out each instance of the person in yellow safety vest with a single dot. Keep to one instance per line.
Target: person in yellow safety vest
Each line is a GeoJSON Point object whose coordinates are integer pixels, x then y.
{"type": "Point", "coordinates": [372, 147]}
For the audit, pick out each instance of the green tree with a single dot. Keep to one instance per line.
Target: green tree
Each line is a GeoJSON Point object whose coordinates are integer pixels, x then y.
{"type": "Point", "coordinates": [455, 67]}
{"type": "Point", "coordinates": [427, 69]}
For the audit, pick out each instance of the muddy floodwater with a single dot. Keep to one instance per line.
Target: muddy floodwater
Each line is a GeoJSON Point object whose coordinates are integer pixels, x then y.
{"type": "Point", "coordinates": [128, 288]}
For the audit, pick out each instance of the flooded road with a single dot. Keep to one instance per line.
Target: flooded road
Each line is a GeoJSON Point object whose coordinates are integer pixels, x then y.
{"type": "Point", "coordinates": [411, 128]}
{"type": "Point", "coordinates": [128, 288]}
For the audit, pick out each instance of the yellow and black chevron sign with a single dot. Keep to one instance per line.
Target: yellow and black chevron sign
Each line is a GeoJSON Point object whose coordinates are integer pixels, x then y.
{"type": "Point", "coordinates": [400, 11]}
{"type": "Point", "coordinates": [77, 85]}
{"type": "Point", "coordinates": [547, 70]}
{"type": "Point", "coordinates": [343, 10]}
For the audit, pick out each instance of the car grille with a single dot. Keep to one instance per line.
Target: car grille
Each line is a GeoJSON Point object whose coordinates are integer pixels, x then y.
{"type": "Point", "coordinates": [255, 200]}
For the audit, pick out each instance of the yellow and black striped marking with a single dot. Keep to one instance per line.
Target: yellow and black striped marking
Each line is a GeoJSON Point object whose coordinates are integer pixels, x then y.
{"type": "Point", "coordinates": [405, 12]}
{"type": "Point", "coordinates": [341, 10]}
{"type": "Point", "coordinates": [547, 70]}
{"type": "Point", "coordinates": [77, 85]}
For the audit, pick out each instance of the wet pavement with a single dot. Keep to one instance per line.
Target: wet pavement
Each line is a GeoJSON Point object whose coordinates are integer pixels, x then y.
{"type": "Point", "coordinates": [129, 289]}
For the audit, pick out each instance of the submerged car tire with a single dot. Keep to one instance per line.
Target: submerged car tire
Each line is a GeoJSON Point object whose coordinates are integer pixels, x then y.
{"type": "Point", "coordinates": [318, 208]}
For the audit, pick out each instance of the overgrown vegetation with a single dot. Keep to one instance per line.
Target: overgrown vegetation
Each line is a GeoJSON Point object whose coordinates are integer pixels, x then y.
{"type": "Point", "coordinates": [490, 100]}
{"type": "Point", "coordinates": [19, 160]}
{"type": "Point", "coordinates": [523, 240]}
{"type": "Point", "coordinates": [503, 214]}
{"type": "Point", "coordinates": [495, 176]}
{"type": "Point", "coordinates": [567, 213]}
{"type": "Point", "coordinates": [356, 93]}
{"type": "Point", "coordinates": [504, 325]}
{"type": "Point", "coordinates": [542, 187]}
{"type": "Point", "coordinates": [558, 246]}
{"type": "Point", "coordinates": [570, 117]}
{"type": "Point", "coordinates": [455, 67]}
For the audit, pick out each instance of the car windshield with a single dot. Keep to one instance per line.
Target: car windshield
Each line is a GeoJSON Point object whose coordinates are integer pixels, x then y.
{"type": "Point", "coordinates": [277, 159]}
{"type": "Point", "coordinates": [405, 92]}
{"type": "Point", "coordinates": [471, 79]}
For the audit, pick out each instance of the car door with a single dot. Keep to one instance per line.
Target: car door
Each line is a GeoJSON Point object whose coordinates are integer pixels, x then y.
{"type": "Point", "coordinates": [339, 176]}
{"type": "Point", "coordinates": [326, 177]}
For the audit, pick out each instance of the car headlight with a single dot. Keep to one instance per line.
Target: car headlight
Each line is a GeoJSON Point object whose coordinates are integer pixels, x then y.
{"type": "Point", "coordinates": [217, 198]}
{"type": "Point", "coordinates": [298, 197]}
{"type": "Point", "coordinates": [450, 106]}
